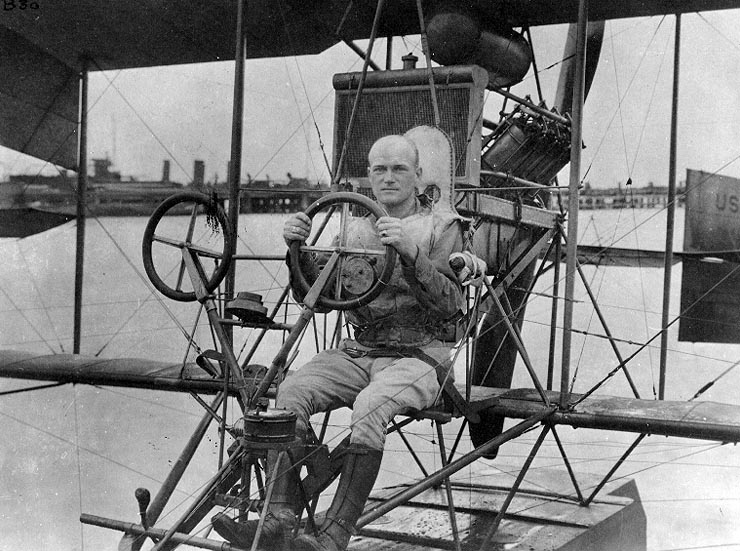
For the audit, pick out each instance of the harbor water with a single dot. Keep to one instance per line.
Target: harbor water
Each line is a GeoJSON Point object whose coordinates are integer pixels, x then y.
{"type": "Point", "coordinates": [73, 449]}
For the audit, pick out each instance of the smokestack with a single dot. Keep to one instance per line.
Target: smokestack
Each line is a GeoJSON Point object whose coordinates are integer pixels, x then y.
{"type": "Point", "coordinates": [409, 61]}
{"type": "Point", "coordinates": [199, 170]}
{"type": "Point", "coordinates": [166, 171]}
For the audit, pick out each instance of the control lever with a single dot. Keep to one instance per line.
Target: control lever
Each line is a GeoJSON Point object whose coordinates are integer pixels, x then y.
{"type": "Point", "coordinates": [143, 497]}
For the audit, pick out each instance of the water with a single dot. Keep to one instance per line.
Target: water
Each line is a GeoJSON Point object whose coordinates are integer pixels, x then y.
{"type": "Point", "coordinates": [85, 449]}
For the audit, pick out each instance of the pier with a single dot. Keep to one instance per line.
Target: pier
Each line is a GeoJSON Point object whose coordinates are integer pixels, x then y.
{"type": "Point", "coordinates": [625, 196]}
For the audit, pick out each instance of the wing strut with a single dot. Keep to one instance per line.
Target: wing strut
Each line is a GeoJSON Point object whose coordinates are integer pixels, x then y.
{"type": "Point", "coordinates": [81, 203]}
{"type": "Point", "coordinates": [575, 180]}
{"type": "Point", "coordinates": [435, 479]}
{"type": "Point", "coordinates": [668, 262]}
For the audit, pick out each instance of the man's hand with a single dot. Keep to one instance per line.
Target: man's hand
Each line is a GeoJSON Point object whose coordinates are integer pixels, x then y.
{"type": "Point", "coordinates": [391, 233]}
{"type": "Point", "coordinates": [297, 228]}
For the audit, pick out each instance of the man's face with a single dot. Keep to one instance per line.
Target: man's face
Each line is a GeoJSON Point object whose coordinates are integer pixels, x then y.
{"type": "Point", "coordinates": [393, 173]}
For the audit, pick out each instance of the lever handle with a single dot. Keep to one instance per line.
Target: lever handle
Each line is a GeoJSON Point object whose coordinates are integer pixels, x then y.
{"type": "Point", "coordinates": [143, 497]}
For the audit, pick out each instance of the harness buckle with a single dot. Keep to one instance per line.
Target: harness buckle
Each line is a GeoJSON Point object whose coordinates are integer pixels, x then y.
{"type": "Point", "coordinates": [355, 352]}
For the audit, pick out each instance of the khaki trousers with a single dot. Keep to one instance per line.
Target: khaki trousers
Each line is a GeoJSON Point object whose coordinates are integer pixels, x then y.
{"type": "Point", "coordinates": [376, 388]}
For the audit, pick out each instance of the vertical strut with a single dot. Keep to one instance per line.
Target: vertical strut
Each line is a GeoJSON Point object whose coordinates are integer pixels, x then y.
{"type": "Point", "coordinates": [236, 147]}
{"type": "Point", "coordinates": [448, 488]}
{"type": "Point", "coordinates": [554, 312]}
{"type": "Point", "coordinates": [671, 212]}
{"type": "Point", "coordinates": [81, 203]}
{"type": "Point", "coordinates": [576, 142]}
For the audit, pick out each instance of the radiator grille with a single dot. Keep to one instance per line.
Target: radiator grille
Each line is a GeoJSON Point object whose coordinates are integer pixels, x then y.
{"type": "Point", "coordinates": [395, 112]}
{"type": "Point", "coordinates": [393, 102]}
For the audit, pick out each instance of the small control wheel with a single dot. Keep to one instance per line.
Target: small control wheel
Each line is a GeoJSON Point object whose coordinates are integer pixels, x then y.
{"type": "Point", "coordinates": [196, 222]}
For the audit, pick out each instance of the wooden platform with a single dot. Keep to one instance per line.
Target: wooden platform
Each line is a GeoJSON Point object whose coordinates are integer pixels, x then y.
{"type": "Point", "coordinates": [537, 520]}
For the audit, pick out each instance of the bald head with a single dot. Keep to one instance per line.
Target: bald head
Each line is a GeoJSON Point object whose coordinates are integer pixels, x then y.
{"type": "Point", "coordinates": [396, 144]}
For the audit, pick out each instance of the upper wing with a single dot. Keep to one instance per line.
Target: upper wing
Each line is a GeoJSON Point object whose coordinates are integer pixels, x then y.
{"type": "Point", "coordinates": [119, 34]}
{"type": "Point", "coordinates": [43, 44]}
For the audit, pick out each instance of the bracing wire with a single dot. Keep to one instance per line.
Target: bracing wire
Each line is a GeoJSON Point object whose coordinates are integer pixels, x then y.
{"type": "Point", "coordinates": [64, 139]}
{"type": "Point", "coordinates": [732, 42]}
{"type": "Point", "coordinates": [312, 116]}
{"type": "Point", "coordinates": [710, 384]}
{"type": "Point", "coordinates": [621, 365]}
{"type": "Point", "coordinates": [77, 458]}
{"type": "Point", "coordinates": [142, 120]}
{"type": "Point", "coordinates": [638, 148]}
{"type": "Point", "coordinates": [55, 436]}
{"type": "Point", "coordinates": [305, 92]}
{"type": "Point", "coordinates": [588, 325]}
{"type": "Point", "coordinates": [146, 282]}
{"type": "Point", "coordinates": [28, 321]}
{"type": "Point", "coordinates": [643, 294]}
{"type": "Point", "coordinates": [40, 298]}
{"type": "Point", "coordinates": [621, 99]}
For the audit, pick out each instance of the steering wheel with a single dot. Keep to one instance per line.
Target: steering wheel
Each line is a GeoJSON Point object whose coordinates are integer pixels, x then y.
{"type": "Point", "coordinates": [355, 273]}
{"type": "Point", "coordinates": [207, 233]}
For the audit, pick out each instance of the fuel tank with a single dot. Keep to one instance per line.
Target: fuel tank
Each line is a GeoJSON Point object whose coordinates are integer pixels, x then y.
{"type": "Point", "coordinates": [458, 37]}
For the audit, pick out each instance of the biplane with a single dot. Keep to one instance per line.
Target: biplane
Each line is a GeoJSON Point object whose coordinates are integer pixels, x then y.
{"type": "Point", "coordinates": [499, 176]}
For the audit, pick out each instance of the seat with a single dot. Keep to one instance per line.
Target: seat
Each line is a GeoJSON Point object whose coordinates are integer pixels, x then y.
{"type": "Point", "coordinates": [437, 162]}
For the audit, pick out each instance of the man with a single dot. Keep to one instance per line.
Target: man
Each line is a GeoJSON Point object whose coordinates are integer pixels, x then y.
{"type": "Point", "coordinates": [374, 374]}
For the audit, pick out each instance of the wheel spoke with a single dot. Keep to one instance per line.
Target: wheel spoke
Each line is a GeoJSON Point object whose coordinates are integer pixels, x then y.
{"type": "Point", "coordinates": [191, 227]}
{"type": "Point", "coordinates": [189, 238]}
{"type": "Point", "coordinates": [343, 222]}
{"type": "Point", "coordinates": [329, 213]}
{"type": "Point", "coordinates": [341, 250]}
{"type": "Point", "coordinates": [180, 275]}
{"type": "Point", "coordinates": [208, 253]}
{"type": "Point", "coordinates": [338, 278]}
{"type": "Point", "coordinates": [168, 241]}
{"type": "Point", "coordinates": [202, 251]}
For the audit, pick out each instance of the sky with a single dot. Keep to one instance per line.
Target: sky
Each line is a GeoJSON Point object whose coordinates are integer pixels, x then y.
{"type": "Point", "coordinates": [140, 117]}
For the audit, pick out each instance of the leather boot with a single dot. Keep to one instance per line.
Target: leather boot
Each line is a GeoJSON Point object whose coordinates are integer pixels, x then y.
{"type": "Point", "coordinates": [359, 471]}
{"type": "Point", "coordinates": [282, 513]}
